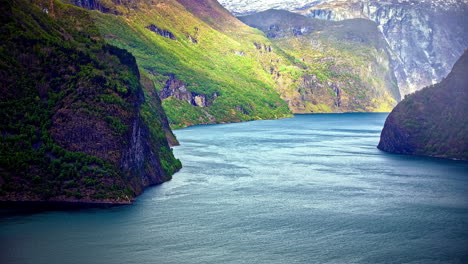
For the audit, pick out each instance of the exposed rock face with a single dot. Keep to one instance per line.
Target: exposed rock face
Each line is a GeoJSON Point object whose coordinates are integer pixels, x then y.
{"type": "Point", "coordinates": [263, 47]}
{"type": "Point", "coordinates": [426, 37]}
{"type": "Point", "coordinates": [192, 39]}
{"type": "Point", "coordinates": [165, 33]}
{"type": "Point", "coordinates": [178, 89]}
{"type": "Point", "coordinates": [433, 121]}
{"type": "Point", "coordinates": [139, 154]}
{"type": "Point", "coordinates": [105, 6]}
{"type": "Point", "coordinates": [91, 5]}
{"type": "Point", "coordinates": [239, 53]}
{"type": "Point", "coordinates": [339, 66]}
{"type": "Point", "coordinates": [77, 128]}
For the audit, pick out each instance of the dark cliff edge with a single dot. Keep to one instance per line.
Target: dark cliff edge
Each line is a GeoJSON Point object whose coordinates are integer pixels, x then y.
{"type": "Point", "coordinates": [433, 121]}
{"type": "Point", "coordinates": [80, 124]}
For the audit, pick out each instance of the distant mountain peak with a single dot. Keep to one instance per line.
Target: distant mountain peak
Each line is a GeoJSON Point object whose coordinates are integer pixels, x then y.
{"type": "Point", "coordinates": [426, 36]}
{"type": "Point", "coordinates": [245, 7]}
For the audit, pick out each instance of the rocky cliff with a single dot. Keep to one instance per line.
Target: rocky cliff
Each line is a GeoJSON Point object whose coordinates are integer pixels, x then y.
{"type": "Point", "coordinates": [433, 121]}
{"type": "Point", "coordinates": [79, 121]}
{"type": "Point", "coordinates": [426, 37]}
{"type": "Point", "coordinates": [341, 66]}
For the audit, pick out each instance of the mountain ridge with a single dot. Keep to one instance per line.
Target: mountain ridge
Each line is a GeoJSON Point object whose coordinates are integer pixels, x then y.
{"type": "Point", "coordinates": [217, 73]}
{"type": "Point", "coordinates": [344, 66]}
{"type": "Point", "coordinates": [433, 121]}
{"type": "Point", "coordinates": [204, 74]}
{"type": "Point", "coordinates": [426, 37]}
{"type": "Point", "coordinates": [248, 7]}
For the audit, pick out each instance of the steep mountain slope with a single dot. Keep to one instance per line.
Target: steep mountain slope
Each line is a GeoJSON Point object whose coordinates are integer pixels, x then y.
{"type": "Point", "coordinates": [345, 66]}
{"type": "Point", "coordinates": [202, 59]}
{"type": "Point", "coordinates": [209, 67]}
{"type": "Point", "coordinates": [426, 36]}
{"type": "Point", "coordinates": [79, 122]}
{"type": "Point", "coordinates": [247, 7]}
{"type": "Point", "coordinates": [433, 121]}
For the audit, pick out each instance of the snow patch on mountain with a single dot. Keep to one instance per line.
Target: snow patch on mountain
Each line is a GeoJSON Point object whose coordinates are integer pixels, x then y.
{"type": "Point", "coordinates": [244, 7]}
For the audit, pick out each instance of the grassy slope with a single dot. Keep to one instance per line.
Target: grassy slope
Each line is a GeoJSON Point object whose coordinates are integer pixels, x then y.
{"type": "Point", "coordinates": [306, 75]}
{"type": "Point", "coordinates": [349, 56]}
{"type": "Point", "coordinates": [68, 102]}
{"type": "Point", "coordinates": [246, 91]}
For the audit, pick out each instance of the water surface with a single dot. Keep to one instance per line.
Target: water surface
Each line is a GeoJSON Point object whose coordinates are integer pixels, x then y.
{"type": "Point", "coordinates": [308, 189]}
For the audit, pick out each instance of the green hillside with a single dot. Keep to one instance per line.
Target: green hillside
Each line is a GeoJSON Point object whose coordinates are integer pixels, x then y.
{"type": "Point", "coordinates": [209, 67]}
{"type": "Point", "coordinates": [214, 60]}
{"type": "Point", "coordinates": [79, 121]}
{"type": "Point", "coordinates": [432, 121]}
{"type": "Point", "coordinates": [343, 66]}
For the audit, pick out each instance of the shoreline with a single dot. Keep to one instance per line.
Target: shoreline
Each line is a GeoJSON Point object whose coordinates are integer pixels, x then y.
{"type": "Point", "coordinates": [25, 206]}
{"type": "Point", "coordinates": [292, 115]}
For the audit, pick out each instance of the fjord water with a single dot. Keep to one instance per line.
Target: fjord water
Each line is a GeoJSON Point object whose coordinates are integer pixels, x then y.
{"type": "Point", "coordinates": [308, 189]}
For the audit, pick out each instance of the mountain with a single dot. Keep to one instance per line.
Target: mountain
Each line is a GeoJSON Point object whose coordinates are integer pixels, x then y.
{"type": "Point", "coordinates": [80, 122]}
{"type": "Point", "coordinates": [202, 60]}
{"type": "Point", "coordinates": [343, 66]}
{"type": "Point", "coordinates": [432, 121]}
{"type": "Point", "coordinates": [248, 7]}
{"type": "Point", "coordinates": [209, 67]}
{"type": "Point", "coordinates": [426, 37]}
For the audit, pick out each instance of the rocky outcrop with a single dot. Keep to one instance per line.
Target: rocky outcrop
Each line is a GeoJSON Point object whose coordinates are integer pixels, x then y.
{"type": "Point", "coordinates": [91, 5]}
{"type": "Point", "coordinates": [192, 39]}
{"type": "Point", "coordinates": [239, 53]}
{"type": "Point", "coordinates": [280, 31]}
{"type": "Point", "coordinates": [263, 47]}
{"type": "Point", "coordinates": [109, 6]}
{"type": "Point", "coordinates": [426, 37]}
{"type": "Point", "coordinates": [433, 121]}
{"type": "Point", "coordinates": [162, 32]}
{"type": "Point", "coordinates": [178, 89]}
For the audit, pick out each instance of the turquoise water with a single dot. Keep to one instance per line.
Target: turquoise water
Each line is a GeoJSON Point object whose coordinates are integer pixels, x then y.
{"type": "Point", "coordinates": [308, 189]}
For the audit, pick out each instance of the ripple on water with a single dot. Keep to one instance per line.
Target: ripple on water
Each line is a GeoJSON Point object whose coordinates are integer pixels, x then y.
{"type": "Point", "coordinates": [308, 189]}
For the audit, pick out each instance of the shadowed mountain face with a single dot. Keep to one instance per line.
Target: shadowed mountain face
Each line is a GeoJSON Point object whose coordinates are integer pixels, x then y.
{"type": "Point", "coordinates": [345, 66]}
{"type": "Point", "coordinates": [79, 121]}
{"type": "Point", "coordinates": [426, 37]}
{"type": "Point", "coordinates": [433, 121]}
